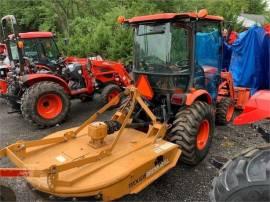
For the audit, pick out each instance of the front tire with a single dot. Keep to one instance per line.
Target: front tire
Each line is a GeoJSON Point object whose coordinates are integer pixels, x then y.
{"type": "Point", "coordinates": [244, 178]}
{"type": "Point", "coordinates": [225, 110]}
{"type": "Point", "coordinates": [192, 130]}
{"type": "Point", "coordinates": [45, 104]}
{"type": "Point", "coordinates": [109, 92]}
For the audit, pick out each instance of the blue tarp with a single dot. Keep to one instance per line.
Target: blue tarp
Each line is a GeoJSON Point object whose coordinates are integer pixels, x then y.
{"type": "Point", "coordinates": [208, 55]}
{"type": "Point", "coordinates": [207, 49]}
{"type": "Point", "coordinates": [250, 60]}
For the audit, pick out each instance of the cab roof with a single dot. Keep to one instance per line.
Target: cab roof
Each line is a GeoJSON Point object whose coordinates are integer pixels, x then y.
{"type": "Point", "coordinates": [31, 35]}
{"type": "Point", "coordinates": [171, 16]}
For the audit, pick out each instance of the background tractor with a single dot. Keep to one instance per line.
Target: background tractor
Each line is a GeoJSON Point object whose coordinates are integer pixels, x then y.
{"type": "Point", "coordinates": [246, 176]}
{"type": "Point", "coordinates": [41, 83]}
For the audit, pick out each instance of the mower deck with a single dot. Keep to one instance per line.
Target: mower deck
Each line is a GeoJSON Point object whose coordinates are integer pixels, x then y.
{"type": "Point", "coordinates": [134, 163]}
{"type": "Point", "coordinates": [89, 160]}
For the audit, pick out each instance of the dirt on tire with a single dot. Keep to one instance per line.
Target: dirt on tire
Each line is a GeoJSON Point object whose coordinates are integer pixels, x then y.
{"type": "Point", "coordinates": [185, 130]}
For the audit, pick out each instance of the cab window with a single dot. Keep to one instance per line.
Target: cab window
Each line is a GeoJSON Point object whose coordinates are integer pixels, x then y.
{"type": "Point", "coordinates": [30, 49]}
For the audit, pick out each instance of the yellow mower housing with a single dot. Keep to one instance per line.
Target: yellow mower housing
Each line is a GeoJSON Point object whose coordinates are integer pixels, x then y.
{"type": "Point", "coordinates": [108, 159]}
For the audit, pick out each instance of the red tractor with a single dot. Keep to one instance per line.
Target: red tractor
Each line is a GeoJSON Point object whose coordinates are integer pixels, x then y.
{"type": "Point", "coordinates": [41, 83]}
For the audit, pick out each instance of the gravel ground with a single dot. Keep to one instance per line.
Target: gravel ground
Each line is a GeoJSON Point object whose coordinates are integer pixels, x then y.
{"type": "Point", "coordinates": [182, 183]}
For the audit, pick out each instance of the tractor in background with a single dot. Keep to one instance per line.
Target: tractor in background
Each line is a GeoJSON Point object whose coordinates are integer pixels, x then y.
{"type": "Point", "coordinates": [246, 177]}
{"type": "Point", "coordinates": [41, 83]}
{"type": "Point", "coordinates": [4, 68]}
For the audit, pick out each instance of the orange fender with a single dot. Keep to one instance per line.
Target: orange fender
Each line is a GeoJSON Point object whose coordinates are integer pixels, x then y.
{"type": "Point", "coordinates": [198, 95]}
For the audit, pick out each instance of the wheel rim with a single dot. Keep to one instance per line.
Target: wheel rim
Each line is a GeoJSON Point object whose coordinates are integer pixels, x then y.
{"type": "Point", "coordinates": [49, 106]}
{"type": "Point", "coordinates": [229, 113]}
{"type": "Point", "coordinates": [113, 94]}
{"type": "Point", "coordinates": [203, 134]}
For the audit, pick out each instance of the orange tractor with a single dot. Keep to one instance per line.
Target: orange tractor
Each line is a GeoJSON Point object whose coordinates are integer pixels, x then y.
{"type": "Point", "coordinates": [178, 56]}
{"type": "Point", "coordinates": [171, 112]}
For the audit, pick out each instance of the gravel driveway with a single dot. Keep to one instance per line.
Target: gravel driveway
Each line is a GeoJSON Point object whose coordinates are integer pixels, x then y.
{"type": "Point", "coordinates": [182, 183]}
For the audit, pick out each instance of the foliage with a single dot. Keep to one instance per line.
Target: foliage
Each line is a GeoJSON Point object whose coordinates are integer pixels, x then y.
{"type": "Point", "coordinates": [90, 25]}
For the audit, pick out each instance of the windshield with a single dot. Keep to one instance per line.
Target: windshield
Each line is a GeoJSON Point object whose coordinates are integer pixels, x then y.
{"type": "Point", "coordinates": [49, 49]}
{"type": "Point", "coordinates": [162, 48]}
{"type": "Point", "coordinates": [30, 49]}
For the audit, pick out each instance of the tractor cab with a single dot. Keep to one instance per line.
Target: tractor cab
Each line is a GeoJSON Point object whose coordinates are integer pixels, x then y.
{"type": "Point", "coordinates": [40, 46]}
{"type": "Point", "coordinates": [178, 52]}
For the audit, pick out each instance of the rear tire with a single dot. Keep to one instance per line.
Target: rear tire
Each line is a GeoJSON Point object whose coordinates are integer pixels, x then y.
{"type": "Point", "coordinates": [45, 104]}
{"type": "Point", "coordinates": [188, 131]}
{"type": "Point", "coordinates": [244, 178]}
{"type": "Point", "coordinates": [109, 92]}
{"type": "Point", "coordinates": [225, 110]}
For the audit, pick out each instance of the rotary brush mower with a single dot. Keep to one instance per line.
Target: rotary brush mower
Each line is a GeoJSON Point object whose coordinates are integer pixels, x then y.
{"type": "Point", "coordinates": [108, 159]}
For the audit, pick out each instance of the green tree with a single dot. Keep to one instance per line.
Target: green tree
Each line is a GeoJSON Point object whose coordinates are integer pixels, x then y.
{"type": "Point", "coordinates": [90, 25]}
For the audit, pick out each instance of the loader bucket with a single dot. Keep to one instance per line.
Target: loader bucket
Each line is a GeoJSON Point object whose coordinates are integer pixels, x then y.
{"type": "Point", "coordinates": [257, 108]}
{"type": "Point", "coordinates": [75, 163]}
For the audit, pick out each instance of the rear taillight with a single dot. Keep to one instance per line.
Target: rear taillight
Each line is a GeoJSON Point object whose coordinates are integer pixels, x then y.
{"type": "Point", "coordinates": [178, 99]}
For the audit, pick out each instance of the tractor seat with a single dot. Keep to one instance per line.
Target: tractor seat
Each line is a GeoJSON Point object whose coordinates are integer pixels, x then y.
{"type": "Point", "coordinates": [211, 79]}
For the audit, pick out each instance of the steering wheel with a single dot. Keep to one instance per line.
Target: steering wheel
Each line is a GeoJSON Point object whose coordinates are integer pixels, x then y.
{"type": "Point", "coordinates": [154, 63]}
{"type": "Point", "coordinates": [151, 59]}
{"type": "Point", "coordinates": [29, 62]}
{"type": "Point", "coordinates": [181, 63]}
{"type": "Point", "coordinates": [60, 60]}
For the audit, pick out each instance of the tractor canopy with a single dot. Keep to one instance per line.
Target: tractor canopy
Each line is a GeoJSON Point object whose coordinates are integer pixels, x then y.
{"type": "Point", "coordinates": [172, 16]}
{"type": "Point", "coordinates": [178, 51]}
{"type": "Point", "coordinates": [39, 46]}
